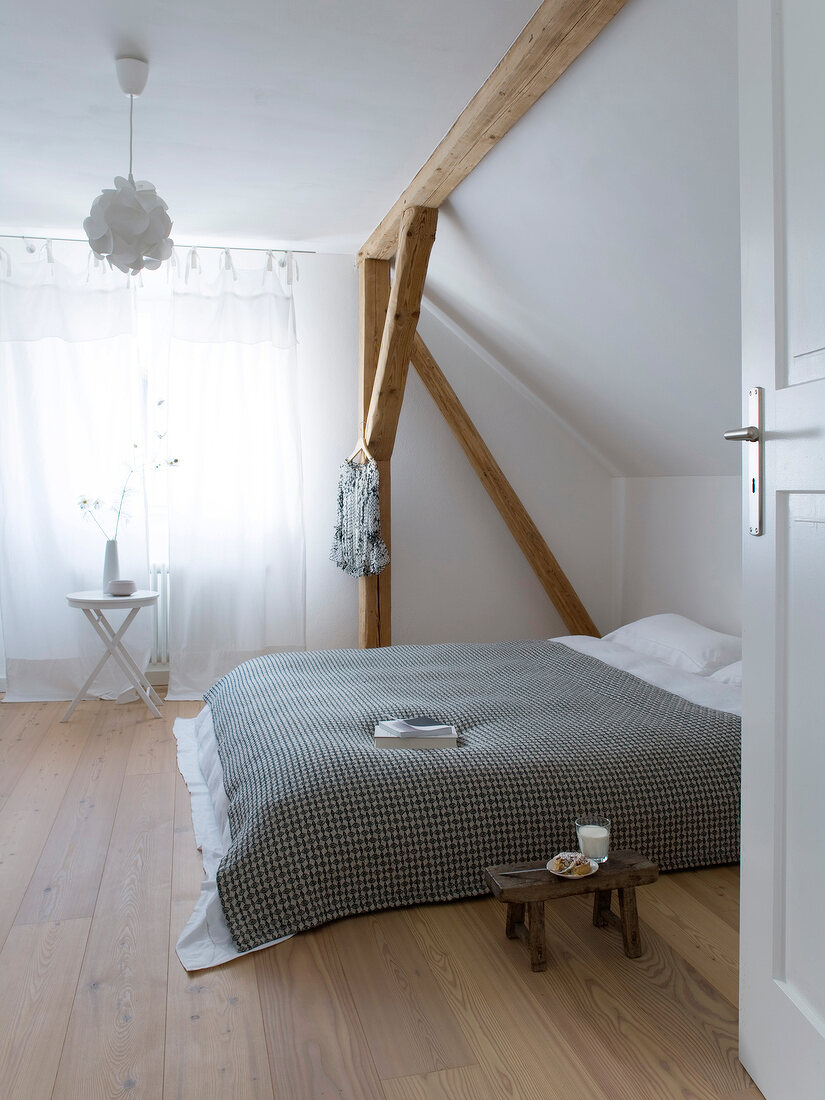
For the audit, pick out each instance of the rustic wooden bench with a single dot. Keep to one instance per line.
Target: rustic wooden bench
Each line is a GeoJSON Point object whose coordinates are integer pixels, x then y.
{"type": "Point", "coordinates": [623, 871]}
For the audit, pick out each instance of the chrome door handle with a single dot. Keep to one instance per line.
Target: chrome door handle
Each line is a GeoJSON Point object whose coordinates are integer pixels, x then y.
{"type": "Point", "coordinates": [743, 435]}
{"type": "Point", "coordinates": [753, 434]}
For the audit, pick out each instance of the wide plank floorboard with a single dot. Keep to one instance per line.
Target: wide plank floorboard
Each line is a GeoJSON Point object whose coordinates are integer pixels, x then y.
{"type": "Point", "coordinates": [153, 746]}
{"type": "Point", "coordinates": [98, 874]}
{"type": "Point", "coordinates": [23, 728]}
{"type": "Point", "coordinates": [213, 1017]}
{"type": "Point", "coordinates": [39, 966]}
{"type": "Point", "coordinates": [30, 810]}
{"type": "Point", "coordinates": [461, 1083]}
{"type": "Point", "coordinates": [67, 877]}
{"type": "Point", "coordinates": [316, 1042]}
{"type": "Point", "coordinates": [408, 1022]}
{"type": "Point", "coordinates": [117, 1030]}
{"type": "Point", "coordinates": [717, 888]}
{"type": "Point", "coordinates": [701, 937]}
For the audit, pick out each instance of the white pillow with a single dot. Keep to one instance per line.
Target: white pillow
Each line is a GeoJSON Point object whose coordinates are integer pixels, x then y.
{"type": "Point", "coordinates": [679, 642]}
{"type": "Point", "coordinates": [729, 674]}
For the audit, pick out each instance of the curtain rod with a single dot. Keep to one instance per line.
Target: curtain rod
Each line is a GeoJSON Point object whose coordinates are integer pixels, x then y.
{"type": "Point", "coordinates": [219, 247]}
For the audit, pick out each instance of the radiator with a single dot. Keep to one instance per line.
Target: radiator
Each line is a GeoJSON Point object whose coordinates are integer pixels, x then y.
{"type": "Point", "coordinates": [159, 582]}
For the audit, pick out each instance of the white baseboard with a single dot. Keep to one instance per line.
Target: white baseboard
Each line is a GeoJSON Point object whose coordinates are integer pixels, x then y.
{"type": "Point", "coordinates": [158, 675]}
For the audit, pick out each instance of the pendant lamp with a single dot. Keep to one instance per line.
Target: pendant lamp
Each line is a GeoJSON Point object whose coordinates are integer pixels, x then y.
{"type": "Point", "coordinates": [129, 225]}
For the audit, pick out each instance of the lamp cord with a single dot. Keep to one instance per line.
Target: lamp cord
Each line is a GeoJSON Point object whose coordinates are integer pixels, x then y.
{"type": "Point", "coordinates": [131, 130]}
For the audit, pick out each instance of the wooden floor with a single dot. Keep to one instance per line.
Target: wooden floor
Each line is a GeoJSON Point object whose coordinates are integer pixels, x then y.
{"type": "Point", "coordinates": [98, 873]}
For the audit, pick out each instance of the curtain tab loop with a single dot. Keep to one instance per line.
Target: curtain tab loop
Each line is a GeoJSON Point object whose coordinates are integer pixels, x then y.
{"type": "Point", "coordinates": [192, 264]}
{"type": "Point", "coordinates": [172, 266]}
{"type": "Point", "coordinates": [290, 268]}
{"type": "Point", "coordinates": [269, 266]}
{"type": "Point", "coordinates": [226, 264]}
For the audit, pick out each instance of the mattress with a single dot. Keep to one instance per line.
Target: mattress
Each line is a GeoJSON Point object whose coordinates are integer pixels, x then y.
{"type": "Point", "coordinates": [250, 882]}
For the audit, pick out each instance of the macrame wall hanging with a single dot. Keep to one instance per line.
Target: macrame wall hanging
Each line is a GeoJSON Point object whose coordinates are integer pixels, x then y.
{"type": "Point", "coordinates": [357, 546]}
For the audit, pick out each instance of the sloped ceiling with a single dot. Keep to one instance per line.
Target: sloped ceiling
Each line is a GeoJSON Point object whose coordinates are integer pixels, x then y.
{"type": "Point", "coordinates": [595, 251]}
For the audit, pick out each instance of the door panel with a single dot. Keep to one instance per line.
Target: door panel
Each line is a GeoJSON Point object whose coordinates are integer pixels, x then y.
{"type": "Point", "coordinates": [803, 517]}
{"type": "Point", "coordinates": [801, 30]}
{"type": "Point", "coordinates": [782, 147]}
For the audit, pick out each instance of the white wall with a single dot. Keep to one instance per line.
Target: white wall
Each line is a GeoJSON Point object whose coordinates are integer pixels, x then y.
{"type": "Point", "coordinates": [326, 308]}
{"type": "Point", "coordinates": [678, 543]}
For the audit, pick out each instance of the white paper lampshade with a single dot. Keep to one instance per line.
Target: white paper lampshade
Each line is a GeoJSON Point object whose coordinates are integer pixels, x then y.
{"type": "Point", "coordinates": [129, 226]}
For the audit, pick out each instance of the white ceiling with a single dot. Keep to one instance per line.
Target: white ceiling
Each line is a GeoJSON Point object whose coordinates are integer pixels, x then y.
{"type": "Point", "coordinates": [262, 122]}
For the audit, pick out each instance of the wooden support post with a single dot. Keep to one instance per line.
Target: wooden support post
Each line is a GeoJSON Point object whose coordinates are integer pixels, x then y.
{"type": "Point", "coordinates": [373, 298]}
{"type": "Point", "coordinates": [392, 312]}
{"type": "Point", "coordinates": [512, 511]}
{"type": "Point", "coordinates": [415, 242]}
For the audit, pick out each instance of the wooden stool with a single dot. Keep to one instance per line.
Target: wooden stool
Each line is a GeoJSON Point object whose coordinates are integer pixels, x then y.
{"type": "Point", "coordinates": [622, 871]}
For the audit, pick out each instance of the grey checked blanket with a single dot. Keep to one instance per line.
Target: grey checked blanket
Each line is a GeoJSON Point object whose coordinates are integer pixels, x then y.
{"type": "Point", "coordinates": [325, 825]}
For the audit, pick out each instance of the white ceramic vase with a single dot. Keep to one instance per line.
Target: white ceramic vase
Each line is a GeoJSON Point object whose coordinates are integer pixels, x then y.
{"type": "Point", "coordinates": [111, 568]}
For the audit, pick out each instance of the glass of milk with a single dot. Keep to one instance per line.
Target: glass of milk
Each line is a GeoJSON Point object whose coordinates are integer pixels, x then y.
{"type": "Point", "coordinates": [594, 837]}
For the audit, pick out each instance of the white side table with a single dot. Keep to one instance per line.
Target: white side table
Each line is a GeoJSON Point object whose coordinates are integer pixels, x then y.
{"type": "Point", "coordinates": [94, 606]}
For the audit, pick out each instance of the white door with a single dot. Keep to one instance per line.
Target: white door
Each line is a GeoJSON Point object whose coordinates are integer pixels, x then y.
{"type": "Point", "coordinates": [782, 142]}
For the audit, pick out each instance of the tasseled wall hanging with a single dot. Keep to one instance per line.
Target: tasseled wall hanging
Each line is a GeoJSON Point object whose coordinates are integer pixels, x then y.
{"type": "Point", "coordinates": [357, 546]}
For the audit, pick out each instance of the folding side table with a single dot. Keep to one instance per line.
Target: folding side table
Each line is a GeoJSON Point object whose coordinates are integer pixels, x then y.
{"type": "Point", "coordinates": [94, 606]}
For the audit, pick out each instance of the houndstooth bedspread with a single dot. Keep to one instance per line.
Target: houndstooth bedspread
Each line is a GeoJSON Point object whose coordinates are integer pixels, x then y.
{"type": "Point", "coordinates": [325, 825]}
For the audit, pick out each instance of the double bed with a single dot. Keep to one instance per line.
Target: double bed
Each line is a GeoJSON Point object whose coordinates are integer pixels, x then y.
{"type": "Point", "coordinates": [303, 820]}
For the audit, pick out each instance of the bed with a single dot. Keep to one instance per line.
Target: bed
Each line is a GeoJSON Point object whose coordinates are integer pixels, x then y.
{"type": "Point", "coordinates": [302, 820]}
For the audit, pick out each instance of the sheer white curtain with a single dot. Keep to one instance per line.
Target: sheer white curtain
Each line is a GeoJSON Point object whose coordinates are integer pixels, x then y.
{"type": "Point", "coordinates": [236, 537]}
{"type": "Point", "coordinates": [84, 362]}
{"type": "Point", "coordinates": [71, 411]}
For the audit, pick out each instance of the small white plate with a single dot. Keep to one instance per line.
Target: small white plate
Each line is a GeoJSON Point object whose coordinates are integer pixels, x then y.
{"type": "Point", "coordinates": [566, 874]}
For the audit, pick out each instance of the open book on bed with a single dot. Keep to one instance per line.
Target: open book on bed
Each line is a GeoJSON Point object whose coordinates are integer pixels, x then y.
{"type": "Point", "coordinates": [414, 733]}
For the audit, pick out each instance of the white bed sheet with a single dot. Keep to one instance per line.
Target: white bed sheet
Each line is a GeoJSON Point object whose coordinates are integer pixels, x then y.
{"type": "Point", "coordinates": [701, 690]}
{"type": "Point", "coordinates": [206, 941]}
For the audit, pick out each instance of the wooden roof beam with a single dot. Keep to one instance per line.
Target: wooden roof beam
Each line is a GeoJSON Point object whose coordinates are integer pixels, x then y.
{"type": "Point", "coordinates": [558, 32]}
